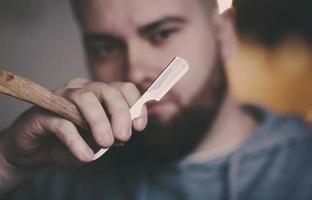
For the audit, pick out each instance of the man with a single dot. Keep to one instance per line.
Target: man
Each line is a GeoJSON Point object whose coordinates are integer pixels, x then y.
{"type": "Point", "coordinates": [198, 144]}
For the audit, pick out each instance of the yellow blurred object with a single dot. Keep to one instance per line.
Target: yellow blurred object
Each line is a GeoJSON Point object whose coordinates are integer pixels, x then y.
{"type": "Point", "coordinates": [309, 116]}
{"type": "Point", "coordinates": [279, 78]}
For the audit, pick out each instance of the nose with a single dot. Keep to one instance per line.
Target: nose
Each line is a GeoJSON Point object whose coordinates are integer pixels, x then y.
{"type": "Point", "coordinates": [142, 67]}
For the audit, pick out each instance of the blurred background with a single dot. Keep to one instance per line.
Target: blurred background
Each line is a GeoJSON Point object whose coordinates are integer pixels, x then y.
{"type": "Point", "coordinates": [272, 64]}
{"type": "Point", "coordinates": [39, 40]}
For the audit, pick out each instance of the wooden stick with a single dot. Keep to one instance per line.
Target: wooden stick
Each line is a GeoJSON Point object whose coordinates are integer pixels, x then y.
{"type": "Point", "coordinates": [26, 90]}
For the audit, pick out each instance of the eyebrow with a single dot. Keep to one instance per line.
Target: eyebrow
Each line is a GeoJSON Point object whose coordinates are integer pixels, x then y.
{"type": "Point", "coordinates": [145, 29]}
{"type": "Point", "coordinates": [94, 37]}
{"type": "Point", "coordinates": [156, 24]}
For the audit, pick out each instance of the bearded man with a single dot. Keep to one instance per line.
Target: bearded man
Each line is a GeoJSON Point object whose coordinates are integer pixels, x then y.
{"type": "Point", "coordinates": [197, 143]}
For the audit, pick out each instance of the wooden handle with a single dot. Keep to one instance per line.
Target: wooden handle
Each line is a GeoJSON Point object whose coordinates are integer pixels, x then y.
{"type": "Point", "coordinates": [26, 90]}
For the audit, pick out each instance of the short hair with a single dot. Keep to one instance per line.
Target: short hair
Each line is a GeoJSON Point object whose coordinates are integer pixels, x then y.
{"type": "Point", "coordinates": [75, 4]}
{"type": "Point", "coordinates": [270, 21]}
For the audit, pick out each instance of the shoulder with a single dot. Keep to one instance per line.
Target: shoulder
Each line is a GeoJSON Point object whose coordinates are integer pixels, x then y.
{"type": "Point", "coordinates": [280, 156]}
{"type": "Point", "coordinates": [280, 132]}
{"type": "Point", "coordinates": [280, 141]}
{"type": "Point", "coordinates": [282, 144]}
{"type": "Point", "coordinates": [290, 132]}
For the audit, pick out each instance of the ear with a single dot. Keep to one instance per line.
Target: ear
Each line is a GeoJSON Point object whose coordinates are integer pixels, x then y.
{"type": "Point", "coordinates": [226, 35]}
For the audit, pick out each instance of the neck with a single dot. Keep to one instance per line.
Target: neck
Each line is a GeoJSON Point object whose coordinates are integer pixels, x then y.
{"type": "Point", "coordinates": [230, 130]}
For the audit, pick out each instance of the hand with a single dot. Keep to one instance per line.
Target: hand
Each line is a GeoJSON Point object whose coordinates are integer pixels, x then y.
{"type": "Point", "coordinates": [40, 137]}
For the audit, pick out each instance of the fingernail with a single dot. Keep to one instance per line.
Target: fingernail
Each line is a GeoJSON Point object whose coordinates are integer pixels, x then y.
{"type": "Point", "coordinates": [108, 139]}
{"type": "Point", "coordinates": [126, 132]}
{"type": "Point", "coordinates": [139, 123]}
{"type": "Point", "coordinates": [91, 153]}
{"type": "Point", "coordinates": [88, 155]}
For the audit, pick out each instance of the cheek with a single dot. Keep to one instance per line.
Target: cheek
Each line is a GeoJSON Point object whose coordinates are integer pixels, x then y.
{"type": "Point", "coordinates": [200, 52]}
{"type": "Point", "coordinates": [191, 84]}
{"type": "Point", "coordinates": [107, 72]}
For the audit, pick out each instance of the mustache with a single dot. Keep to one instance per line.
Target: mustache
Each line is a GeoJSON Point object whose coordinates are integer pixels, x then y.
{"type": "Point", "coordinates": [171, 96]}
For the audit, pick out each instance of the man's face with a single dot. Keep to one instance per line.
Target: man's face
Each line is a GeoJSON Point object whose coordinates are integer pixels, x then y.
{"type": "Point", "coordinates": [133, 40]}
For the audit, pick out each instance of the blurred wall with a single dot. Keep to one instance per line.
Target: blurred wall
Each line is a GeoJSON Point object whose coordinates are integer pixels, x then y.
{"type": "Point", "coordinates": [40, 41]}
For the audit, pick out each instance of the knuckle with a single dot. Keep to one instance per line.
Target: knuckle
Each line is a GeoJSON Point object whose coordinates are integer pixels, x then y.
{"type": "Point", "coordinates": [62, 125]}
{"type": "Point", "coordinates": [81, 95]}
{"type": "Point", "coordinates": [85, 95]}
{"type": "Point", "coordinates": [129, 87]}
{"type": "Point", "coordinates": [116, 84]}
{"type": "Point", "coordinates": [115, 96]}
{"type": "Point", "coordinates": [123, 112]}
{"type": "Point", "coordinates": [71, 142]}
{"type": "Point", "coordinates": [120, 108]}
{"type": "Point", "coordinates": [72, 94]}
{"type": "Point", "coordinates": [95, 119]}
{"type": "Point", "coordinates": [95, 84]}
{"type": "Point", "coordinates": [110, 91]}
{"type": "Point", "coordinates": [111, 94]}
{"type": "Point", "coordinates": [76, 81]}
{"type": "Point", "coordinates": [59, 91]}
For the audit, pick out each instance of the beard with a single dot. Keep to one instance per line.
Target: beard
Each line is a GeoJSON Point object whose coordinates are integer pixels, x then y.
{"type": "Point", "coordinates": [172, 141]}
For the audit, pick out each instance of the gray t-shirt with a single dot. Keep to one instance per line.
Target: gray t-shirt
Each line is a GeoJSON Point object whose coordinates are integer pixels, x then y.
{"type": "Point", "coordinates": [276, 163]}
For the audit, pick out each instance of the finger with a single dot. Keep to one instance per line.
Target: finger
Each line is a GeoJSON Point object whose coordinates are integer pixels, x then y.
{"type": "Point", "coordinates": [67, 133]}
{"type": "Point", "coordinates": [72, 84]}
{"type": "Point", "coordinates": [93, 112]}
{"type": "Point", "coordinates": [76, 83]}
{"type": "Point", "coordinates": [132, 94]}
{"type": "Point", "coordinates": [117, 107]}
{"type": "Point", "coordinates": [58, 155]}
{"type": "Point", "coordinates": [140, 123]}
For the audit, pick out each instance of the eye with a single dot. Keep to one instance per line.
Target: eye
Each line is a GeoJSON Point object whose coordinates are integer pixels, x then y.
{"type": "Point", "coordinates": [103, 50]}
{"type": "Point", "coordinates": [160, 36]}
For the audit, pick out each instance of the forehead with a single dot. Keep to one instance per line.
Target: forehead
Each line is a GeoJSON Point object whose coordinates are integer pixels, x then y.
{"type": "Point", "coordinates": [99, 15]}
